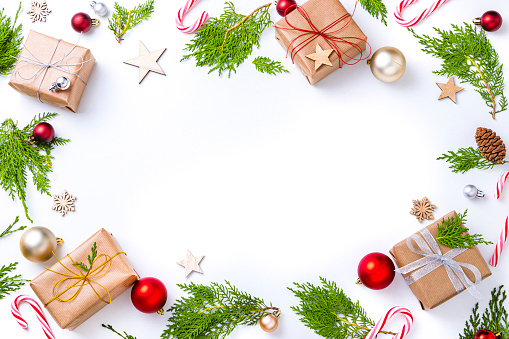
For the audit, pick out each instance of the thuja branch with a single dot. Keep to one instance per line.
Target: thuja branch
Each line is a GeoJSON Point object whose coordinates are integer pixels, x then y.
{"type": "Point", "coordinates": [9, 284]}
{"type": "Point", "coordinates": [362, 327]}
{"type": "Point", "coordinates": [10, 42]}
{"type": "Point", "coordinates": [123, 20]}
{"type": "Point", "coordinates": [242, 21]}
{"type": "Point", "coordinates": [454, 234]}
{"type": "Point", "coordinates": [126, 336]}
{"type": "Point", "coordinates": [9, 230]}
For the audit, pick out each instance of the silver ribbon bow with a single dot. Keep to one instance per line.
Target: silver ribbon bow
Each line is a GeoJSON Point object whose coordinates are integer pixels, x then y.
{"type": "Point", "coordinates": [433, 259]}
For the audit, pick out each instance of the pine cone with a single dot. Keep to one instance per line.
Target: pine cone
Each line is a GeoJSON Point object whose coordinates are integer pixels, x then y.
{"type": "Point", "coordinates": [490, 145]}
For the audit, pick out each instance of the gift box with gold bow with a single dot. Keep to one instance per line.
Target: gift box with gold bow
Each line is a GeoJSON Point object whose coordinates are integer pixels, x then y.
{"type": "Point", "coordinates": [76, 287]}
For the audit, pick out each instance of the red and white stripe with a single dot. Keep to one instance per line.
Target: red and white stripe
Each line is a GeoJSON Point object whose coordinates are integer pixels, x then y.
{"type": "Point", "coordinates": [409, 319]}
{"type": "Point", "coordinates": [38, 311]}
{"type": "Point", "coordinates": [500, 244]}
{"type": "Point", "coordinates": [419, 18]}
{"type": "Point", "coordinates": [500, 185]}
{"type": "Point", "coordinates": [180, 18]}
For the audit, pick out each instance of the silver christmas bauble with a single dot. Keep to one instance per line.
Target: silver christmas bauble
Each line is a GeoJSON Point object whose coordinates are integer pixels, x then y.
{"type": "Point", "coordinates": [61, 84]}
{"type": "Point", "coordinates": [388, 64]}
{"type": "Point", "coordinates": [99, 8]}
{"type": "Point", "coordinates": [37, 244]}
{"type": "Point", "coordinates": [471, 192]}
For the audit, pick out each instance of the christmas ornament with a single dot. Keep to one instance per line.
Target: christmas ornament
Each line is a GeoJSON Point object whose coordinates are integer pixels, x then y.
{"type": "Point", "coordinates": [409, 320]}
{"type": "Point", "coordinates": [123, 20]}
{"type": "Point", "coordinates": [43, 132]}
{"type": "Point", "coordinates": [147, 61]}
{"type": "Point", "coordinates": [454, 234]}
{"type": "Point", "coordinates": [449, 90]}
{"type": "Point", "coordinates": [500, 185]}
{"type": "Point", "coordinates": [149, 295]}
{"type": "Point", "coordinates": [191, 263]}
{"type": "Point", "coordinates": [285, 6]}
{"type": "Point", "coordinates": [12, 39]}
{"type": "Point", "coordinates": [427, 12]}
{"type": "Point", "coordinates": [61, 84]}
{"type": "Point", "coordinates": [38, 311]}
{"type": "Point", "coordinates": [38, 243]}
{"type": "Point", "coordinates": [269, 322]}
{"type": "Point", "coordinates": [64, 203]}
{"type": "Point", "coordinates": [38, 11]}
{"type": "Point", "coordinates": [320, 57]}
{"type": "Point", "coordinates": [99, 8]}
{"type": "Point", "coordinates": [9, 284]}
{"type": "Point", "coordinates": [490, 145]}
{"type": "Point", "coordinates": [82, 22]}
{"type": "Point", "coordinates": [485, 334]}
{"type": "Point", "coordinates": [387, 64]}
{"type": "Point", "coordinates": [422, 209]}
{"type": "Point", "coordinates": [490, 21]}
{"type": "Point", "coordinates": [376, 271]}
{"type": "Point", "coordinates": [500, 244]}
{"type": "Point", "coordinates": [9, 230]}
{"type": "Point", "coordinates": [471, 192]}
{"type": "Point", "coordinates": [180, 18]}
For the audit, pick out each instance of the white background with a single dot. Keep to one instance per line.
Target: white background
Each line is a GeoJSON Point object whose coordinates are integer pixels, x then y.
{"type": "Point", "coordinates": [273, 180]}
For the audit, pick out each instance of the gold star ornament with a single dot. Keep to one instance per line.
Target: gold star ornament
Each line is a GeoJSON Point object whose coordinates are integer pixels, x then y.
{"type": "Point", "coordinates": [320, 57]}
{"type": "Point", "coordinates": [147, 61]}
{"type": "Point", "coordinates": [449, 90]}
{"type": "Point", "coordinates": [191, 263]}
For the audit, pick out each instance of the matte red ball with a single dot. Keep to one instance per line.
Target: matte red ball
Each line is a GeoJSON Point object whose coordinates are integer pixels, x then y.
{"type": "Point", "coordinates": [285, 6]}
{"type": "Point", "coordinates": [485, 334]}
{"type": "Point", "coordinates": [376, 271]}
{"type": "Point", "coordinates": [149, 295]}
{"type": "Point", "coordinates": [43, 132]}
{"type": "Point", "coordinates": [81, 22]}
{"type": "Point", "coordinates": [491, 21]}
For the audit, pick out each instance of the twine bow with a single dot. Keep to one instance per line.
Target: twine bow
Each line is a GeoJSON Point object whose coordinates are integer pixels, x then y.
{"type": "Point", "coordinates": [82, 278]}
{"type": "Point", "coordinates": [433, 259]}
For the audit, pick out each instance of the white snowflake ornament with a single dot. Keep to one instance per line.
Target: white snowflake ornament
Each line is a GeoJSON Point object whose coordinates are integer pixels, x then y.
{"type": "Point", "coordinates": [64, 203]}
{"type": "Point", "coordinates": [39, 11]}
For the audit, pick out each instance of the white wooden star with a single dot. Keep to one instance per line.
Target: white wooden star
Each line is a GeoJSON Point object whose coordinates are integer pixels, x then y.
{"type": "Point", "coordinates": [147, 61]}
{"type": "Point", "coordinates": [191, 263]}
{"type": "Point", "coordinates": [321, 57]}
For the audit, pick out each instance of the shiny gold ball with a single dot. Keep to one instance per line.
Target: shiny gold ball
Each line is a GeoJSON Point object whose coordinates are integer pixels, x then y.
{"type": "Point", "coordinates": [388, 64]}
{"type": "Point", "coordinates": [37, 244]}
{"type": "Point", "coordinates": [269, 323]}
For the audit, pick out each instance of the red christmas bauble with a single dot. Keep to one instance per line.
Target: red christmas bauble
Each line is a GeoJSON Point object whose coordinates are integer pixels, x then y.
{"type": "Point", "coordinates": [149, 295]}
{"type": "Point", "coordinates": [81, 22]}
{"type": "Point", "coordinates": [285, 6]}
{"type": "Point", "coordinates": [491, 21]}
{"type": "Point", "coordinates": [376, 271]}
{"type": "Point", "coordinates": [43, 132]}
{"type": "Point", "coordinates": [485, 334]}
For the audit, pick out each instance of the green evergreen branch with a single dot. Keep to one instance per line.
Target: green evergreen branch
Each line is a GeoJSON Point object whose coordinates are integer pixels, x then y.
{"type": "Point", "coordinates": [8, 230]}
{"type": "Point", "coordinates": [9, 284]}
{"type": "Point", "coordinates": [468, 54]}
{"type": "Point", "coordinates": [90, 260]}
{"type": "Point", "coordinates": [494, 318]}
{"type": "Point", "coordinates": [223, 43]}
{"type": "Point", "coordinates": [123, 20]}
{"type": "Point", "coordinates": [10, 42]}
{"type": "Point", "coordinates": [375, 8]}
{"type": "Point", "coordinates": [453, 233]}
{"type": "Point", "coordinates": [466, 159]}
{"type": "Point", "coordinates": [127, 336]}
{"type": "Point", "coordinates": [213, 312]}
{"type": "Point", "coordinates": [265, 65]}
{"type": "Point", "coordinates": [18, 154]}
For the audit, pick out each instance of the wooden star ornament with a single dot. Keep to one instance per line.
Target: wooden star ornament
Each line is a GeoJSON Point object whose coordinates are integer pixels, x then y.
{"type": "Point", "coordinates": [147, 61]}
{"type": "Point", "coordinates": [449, 90]}
{"type": "Point", "coordinates": [321, 57]}
{"type": "Point", "coordinates": [191, 263]}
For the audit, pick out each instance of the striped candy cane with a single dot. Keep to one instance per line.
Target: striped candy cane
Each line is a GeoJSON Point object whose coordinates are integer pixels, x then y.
{"type": "Point", "coordinates": [419, 18]}
{"type": "Point", "coordinates": [180, 18]}
{"type": "Point", "coordinates": [500, 185]}
{"type": "Point", "coordinates": [500, 244]}
{"type": "Point", "coordinates": [38, 310]}
{"type": "Point", "coordinates": [409, 319]}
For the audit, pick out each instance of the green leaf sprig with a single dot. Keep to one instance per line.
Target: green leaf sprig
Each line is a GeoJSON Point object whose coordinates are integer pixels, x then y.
{"type": "Point", "coordinates": [91, 259]}
{"type": "Point", "coordinates": [466, 159]}
{"type": "Point", "coordinates": [10, 42]}
{"type": "Point", "coordinates": [453, 233]}
{"type": "Point", "coordinates": [9, 284]}
{"type": "Point", "coordinates": [467, 53]}
{"type": "Point", "coordinates": [123, 20]}
{"type": "Point", "coordinates": [375, 8]}
{"type": "Point", "coordinates": [127, 336]}
{"type": "Point", "coordinates": [266, 65]}
{"type": "Point", "coordinates": [9, 230]}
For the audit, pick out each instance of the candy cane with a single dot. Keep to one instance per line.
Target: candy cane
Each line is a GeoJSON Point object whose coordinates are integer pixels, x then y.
{"type": "Point", "coordinates": [500, 244]}
{"type": "Point", "coordinates": [409, 319]}
{"type": "Point", "coordinates": [500, 185]}
{"type": "Point", "coordinates": [180, 18]}
{"type": "Point", "coordinates": [38, 310]}
{"type": "Point", "coordinates": [419, 18]}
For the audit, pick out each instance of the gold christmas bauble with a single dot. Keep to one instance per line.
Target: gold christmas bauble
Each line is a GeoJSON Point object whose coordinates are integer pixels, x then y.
{"type": "Point", "coordinates": [269, 322]}
{"type": "Point", "coordinates": [37, 244]}
{"type": "Point", "coordinates": [388, 64]}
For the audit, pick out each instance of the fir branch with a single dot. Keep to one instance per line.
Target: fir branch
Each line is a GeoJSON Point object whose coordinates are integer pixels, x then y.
{"type": "Point", "coordinates": [19, 154]}
{"type": "Point", "coordinates": [330, 313]}
{"type": "Point", "coordinates": [453, 233]}
{"type": "Point", "coordinates": [265, 65]}
{"type": "Point", "coordinates": [213, 312]}
{"type": "Point", "coordinates": [494, 318]}
{"type": "Point", "coordinates": [10, 42]}
{"type": "Point", "coordinates": [91, 259]}
{"type": "Point", "coordinates": [9, 284]}
{"type": "Point", "coordinates": [9, 228]}
{"type": "Point", "coordinates": [127, 336]}
{"type": "Point", "coordinates": [375, 8]}
{"type": "Point", "coordinates": [466, 159]}
{"type": "Point", "coordinates": [468, 54]}
{"type": "Point", "coordinates": [223, 43]}
{"type": "Point", "coordinates": [123, 20]}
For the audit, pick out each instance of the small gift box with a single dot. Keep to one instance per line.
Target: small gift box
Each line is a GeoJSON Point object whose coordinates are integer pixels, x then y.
{"type": "Point", "coordinates": [73, 293]}
{"type": "Point", "coordinates": [42, 61]}
{"type": "Point", "coordinates": [436, 273]}
{"type": "Point", "coordinates": [322, 22]}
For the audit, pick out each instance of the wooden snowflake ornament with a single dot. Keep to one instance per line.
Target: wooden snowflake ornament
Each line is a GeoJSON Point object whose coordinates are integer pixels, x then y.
{"type": "Point", "coordinates": [64, 203]}
{"type": "Point", "coordinates": [39, 11]}
{"type": "Point", "coordinates": [422, 209]}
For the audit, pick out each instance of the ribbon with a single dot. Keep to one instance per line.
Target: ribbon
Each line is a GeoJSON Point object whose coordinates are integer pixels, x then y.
{"type": "Point", "coordinates": [329, 36]}
{"type": "Point", "coordinates": [433, 259]}
{"type": "Point", "coordinates": [82, 279]}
